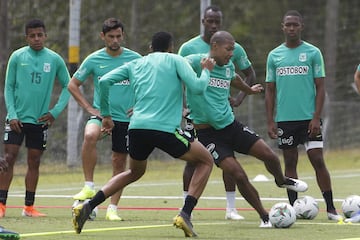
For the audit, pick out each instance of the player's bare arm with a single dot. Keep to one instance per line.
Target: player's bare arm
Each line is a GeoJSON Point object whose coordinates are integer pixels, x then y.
{"type": "Point", "coordinates": [250, 77]}
{"type": "Point", "coordinates": [314, 126]}
{"type": "Point", "coordinates": [269, 104]}
{"type": "Point", "coordinates": [240, 84]}
{"type": "Point", "coordinates": [74, 89]}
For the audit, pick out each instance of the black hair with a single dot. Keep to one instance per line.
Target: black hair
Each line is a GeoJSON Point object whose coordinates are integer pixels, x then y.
{"type": "Point", "coordinates": [111, 24]}
{"type": "Point", "coordinates": [34, 23]}
{"type": "Point", "coordinates": [161, 41]}
{"type": "Point", "coordinates": [213, 8]}
{"type": "Point", "coordinates": [293, 13]}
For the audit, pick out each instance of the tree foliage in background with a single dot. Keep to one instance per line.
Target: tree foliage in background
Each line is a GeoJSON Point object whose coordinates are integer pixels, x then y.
{"type": "Point", "coordinates": [254, 24]}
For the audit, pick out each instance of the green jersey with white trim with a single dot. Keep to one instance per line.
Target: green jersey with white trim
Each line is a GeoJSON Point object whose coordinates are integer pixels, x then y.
{"type": "Point", "coordinates": [293, 70]}
{"type": "Point", "coordinates": [97, 65]}
{"type": "Point", "coordinates": [198, 45]}
{"type": "Point", "coordinates": [29, 83]}
{"type": "Point", "coordinates": [213, 107]}
{"type": "Point", "coordinates": [156, 80]}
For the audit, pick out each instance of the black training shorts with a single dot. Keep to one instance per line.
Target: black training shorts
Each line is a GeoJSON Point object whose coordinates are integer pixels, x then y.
{"type": "Point", "coordinates": [35, 135]}
{"type": "Point", "coordinates": [143, 141]}
{"type": "Point", "coordinates": [293, 133]}
{"type": "Point", "coordinates": [120, 137]}
{"type": "Point", "coordinates": [223, 142]}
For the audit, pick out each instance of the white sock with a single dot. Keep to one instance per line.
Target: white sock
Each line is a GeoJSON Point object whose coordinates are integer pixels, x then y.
{"type": "Point", "coordinates": [230, 200]}
{"type": "Point", "coordinates": [112, 207]}
{"type": "Point", "coordinates": [90, 184]}
{"type": "Point", "coordinates": [185, 193]}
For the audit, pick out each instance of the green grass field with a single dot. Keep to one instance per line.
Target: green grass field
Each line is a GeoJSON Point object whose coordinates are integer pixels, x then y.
{"type": "Point", "coordinates": [149, 205]}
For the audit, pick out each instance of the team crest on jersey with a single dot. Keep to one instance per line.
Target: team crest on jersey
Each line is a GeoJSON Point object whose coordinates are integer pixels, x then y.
{"type": "Point", "coordinates": [46, 67]}
{"type": "Point", "coordinates": [302, 57]}
{"type": "Point", "coordinates": [227, 72]}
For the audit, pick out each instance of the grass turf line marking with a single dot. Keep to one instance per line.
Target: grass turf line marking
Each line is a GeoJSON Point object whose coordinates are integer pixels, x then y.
{"type": "Point", "coordinates": [106, 229]}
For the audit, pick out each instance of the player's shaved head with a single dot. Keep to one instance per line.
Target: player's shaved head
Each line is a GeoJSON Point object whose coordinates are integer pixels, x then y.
{"type": "Point", "coordinates": [221, 37]}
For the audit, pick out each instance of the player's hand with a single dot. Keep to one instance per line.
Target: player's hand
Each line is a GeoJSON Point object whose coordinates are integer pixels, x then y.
{"type": "Point", "coordinates": [16, 125]}
{"type": "Point", "coordinates": [314, 128]}
{"type": "Point", "coordinates": [257, 88]}
{"type": "Point", "coordinates": [93, 112]}
{"type": "Point", "coordinates": [208, 63]}
{"type": "Point", "coordinates": [107, 125]}
{"type": "Point", "coordinates": [47, 119]}
{"type": "Point", "coordinates": [272, 130]}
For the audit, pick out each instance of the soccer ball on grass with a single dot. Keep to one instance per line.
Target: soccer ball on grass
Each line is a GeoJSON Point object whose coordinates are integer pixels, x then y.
{"type": "Point", "coordinates": [306, 208]}
{"type": "Point", "coordinates": [282, 215]}
{"type": "Point", "coordinates": [351, 205]}
{"type": "Point", "coordinates": [94, 212]}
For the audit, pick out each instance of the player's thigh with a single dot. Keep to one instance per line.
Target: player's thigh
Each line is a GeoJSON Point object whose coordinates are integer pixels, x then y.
{"type": "Point", "coordinates": [11, 152]}
{"type": "Point", "coordinates": [230, 165]}
{"type": "Point", "coordinates": [262, 151]}
{"type": "Point", "coordinates": [197, 153]}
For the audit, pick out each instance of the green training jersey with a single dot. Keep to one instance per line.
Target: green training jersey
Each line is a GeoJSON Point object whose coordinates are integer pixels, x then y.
{"type": "Point", "coordinates": [358, 68]}
{"type": "Point", "coordinates": [29, 82]}
{"type": "Point", "coordinates": [293, 70]}
{"type": "Point", "coordinates": [156, 80]}
{"type": "Point", "coordinates": [198, 45]}
{"type": "Point", "coordinates": [213, 107]}
{"type": "Point", "coordinates": [97, 65]}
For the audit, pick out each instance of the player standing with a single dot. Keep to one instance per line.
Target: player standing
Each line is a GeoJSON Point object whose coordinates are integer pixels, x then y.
{"type": "Point", "coordinates": [29, 82]}
{"type": "Point", "coordinates": [96, 65]}
{"type": "Point", "coordinates": [295, 75]}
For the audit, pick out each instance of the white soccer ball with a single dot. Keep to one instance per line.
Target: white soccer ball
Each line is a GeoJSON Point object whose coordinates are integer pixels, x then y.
{"type": "Point", "coordinates": [351, 205]}
{"type": "Point", "coordinates": [282, 215]}
{"type": "Point", "coordinates": [92, 215]}
{"type": "Point", "coordinates": [306, 208]}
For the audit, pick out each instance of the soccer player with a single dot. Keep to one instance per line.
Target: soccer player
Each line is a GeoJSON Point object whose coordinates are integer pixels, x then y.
{"type": "Point", "coordinates": [357, 78]}
{"type": "Point", "coordinates": [212, 21]}
{"type": "Point", "coordinates": [96, 65]}
{"type": "Point", "coordinates": [29, 82]}
{"type": "Point", "coordinates": [219, 131]}
{"type": "Point", "coordinates": [157, 81]}
{"type": "Point", "coordinates": [295, 75]}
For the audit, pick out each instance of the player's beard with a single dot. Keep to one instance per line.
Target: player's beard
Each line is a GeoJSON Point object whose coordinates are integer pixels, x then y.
{"type": "Point", "coordinates": [114, 48]}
